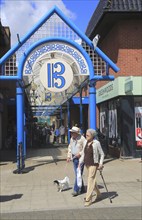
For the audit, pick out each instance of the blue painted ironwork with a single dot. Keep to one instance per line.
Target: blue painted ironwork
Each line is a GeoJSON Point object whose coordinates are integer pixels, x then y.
{"type": "Point", "coordinates": [76, 100]}
{"type": "Point", "coordinates": [29, 34]}
{"type": "Point", "coordinates": [20, 120]}
{"type": "Point", "coordinates": [71, 25]}
{"type": "Point", "coordinates": [51, 40]}
{"type": "Point", "coordinates": [52, 47]}
{"type": "Point", "coordinates": [92, 106]}
{"type": "Point", "coordinates": [102, 78]}
{"type": "Point", "coordinates": [25, 133]}
{"type": "Point", "coordinates": [13, 78]}
{"type": "Point", "coordinates": [92, 77]}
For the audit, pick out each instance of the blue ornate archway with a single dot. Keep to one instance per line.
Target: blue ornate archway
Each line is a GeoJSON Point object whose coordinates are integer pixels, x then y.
{"type": "Point", "coordinates": [33, 41]}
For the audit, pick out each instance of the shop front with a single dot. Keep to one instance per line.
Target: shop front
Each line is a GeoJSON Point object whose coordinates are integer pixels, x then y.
{"type": "Point", "coordinates": [120, 116]}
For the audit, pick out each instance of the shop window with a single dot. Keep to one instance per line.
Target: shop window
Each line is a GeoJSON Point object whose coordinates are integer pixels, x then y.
{"type": "Point", "coordinates": [138, 121]}
{"type": "Point", "coordinates": [110, 122]}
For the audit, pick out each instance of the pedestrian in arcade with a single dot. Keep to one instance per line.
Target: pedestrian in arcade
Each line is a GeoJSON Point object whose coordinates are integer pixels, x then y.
{"type": "Point", "coordinates": [62, 134]}
{"type": "Point", "coordinates": [44, 134]}
{"type": "Point", "coordinates": [75, 147]}
{"type": "Point", "coordinates": [48, 133]}
{"type": "Point", "coordinates": [92, 157]}
{"type": "Point", "coordinates": [56, 135]}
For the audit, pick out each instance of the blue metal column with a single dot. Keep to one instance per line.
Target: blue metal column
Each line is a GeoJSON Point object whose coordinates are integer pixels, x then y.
{"type": "Point", "coordinates": [20, 120]}
{"type": "Point", "coordinates": [24, 136]}
{"type": "Point", "coordinates": [68, 109]}
{"type": "Point", "coordinates": [92, 105]}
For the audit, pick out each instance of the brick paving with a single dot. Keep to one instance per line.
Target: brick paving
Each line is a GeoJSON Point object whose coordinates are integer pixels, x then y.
{"type": "Point", "coordinates": [32, 195]}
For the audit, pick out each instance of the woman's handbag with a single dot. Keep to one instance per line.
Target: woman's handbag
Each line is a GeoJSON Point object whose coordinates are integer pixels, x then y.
{"type": "Point", "coordinates": [79, 177]}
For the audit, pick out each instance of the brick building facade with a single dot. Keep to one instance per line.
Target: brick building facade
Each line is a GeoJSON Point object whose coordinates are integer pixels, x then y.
{"type": "Point", "coordinates": [4, 47]}
{"type": "Point", "coordinates": [119, 25]}
{"type": "Point", "coordinates": [7, 92]}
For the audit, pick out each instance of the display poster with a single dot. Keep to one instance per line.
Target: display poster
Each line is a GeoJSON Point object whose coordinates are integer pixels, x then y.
{"type": "Point", "coordinates": [102, 122]}
{"type": "Point", "coordinates": [113, 123]}
{"type": "Point", "coordinates": [138, 126]}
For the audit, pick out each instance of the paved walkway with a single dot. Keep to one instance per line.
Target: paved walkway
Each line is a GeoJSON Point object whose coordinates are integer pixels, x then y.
{"type": "Point", "coordinates": [34, 191]}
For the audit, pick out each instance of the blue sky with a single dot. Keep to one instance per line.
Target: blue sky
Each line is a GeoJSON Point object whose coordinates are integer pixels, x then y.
{"type": "Point", "coordinates": [83, 10]}
{"type": "Point", "coordinates": [21, 15]}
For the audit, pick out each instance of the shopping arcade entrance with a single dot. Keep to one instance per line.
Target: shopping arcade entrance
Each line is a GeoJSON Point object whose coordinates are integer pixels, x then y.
{"type": "Point", "coordinates": [70, 49]}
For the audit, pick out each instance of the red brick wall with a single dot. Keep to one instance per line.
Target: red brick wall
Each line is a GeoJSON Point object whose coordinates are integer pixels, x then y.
{"type": "Point", "coordinates": [123, 44]}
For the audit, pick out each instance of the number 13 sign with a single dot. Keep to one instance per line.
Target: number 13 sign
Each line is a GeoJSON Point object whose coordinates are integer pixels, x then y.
{"type": "Point", "coordinates": [56, 75]}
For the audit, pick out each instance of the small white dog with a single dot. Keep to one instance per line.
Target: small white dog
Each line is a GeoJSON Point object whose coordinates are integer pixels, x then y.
{"type": "Point", "coordinates": [62, 184]}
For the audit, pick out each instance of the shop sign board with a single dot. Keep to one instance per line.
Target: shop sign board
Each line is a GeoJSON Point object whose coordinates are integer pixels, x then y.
{"type": "Point", "coordinates": [121, 86]}
{"type": "Point", "coordinates": [108, 91]}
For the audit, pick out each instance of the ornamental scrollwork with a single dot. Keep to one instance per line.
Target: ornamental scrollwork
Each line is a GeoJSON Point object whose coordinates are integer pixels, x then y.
{"type": "Point", "coordinates": [55, 47]}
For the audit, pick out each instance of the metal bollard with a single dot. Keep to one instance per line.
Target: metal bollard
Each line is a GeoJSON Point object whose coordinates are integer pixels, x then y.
{"type": "Point", "coordinates": [20, 160]}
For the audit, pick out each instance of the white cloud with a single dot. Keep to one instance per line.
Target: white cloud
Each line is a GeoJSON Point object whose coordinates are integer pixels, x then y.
{"type": "Point", "coordinates": [22, 15]}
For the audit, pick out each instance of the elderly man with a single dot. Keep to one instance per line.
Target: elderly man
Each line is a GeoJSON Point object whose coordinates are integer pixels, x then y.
{"type": "Point", "coordinates": [77, 144]}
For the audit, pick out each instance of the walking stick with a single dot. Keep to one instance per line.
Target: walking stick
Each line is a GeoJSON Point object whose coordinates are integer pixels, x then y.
{"type": "Point", "coordinates": [105, 185]}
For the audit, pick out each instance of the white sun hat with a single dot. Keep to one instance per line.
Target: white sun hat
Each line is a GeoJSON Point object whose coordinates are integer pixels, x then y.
{"type": "Point", "coordinates": [75, 130]}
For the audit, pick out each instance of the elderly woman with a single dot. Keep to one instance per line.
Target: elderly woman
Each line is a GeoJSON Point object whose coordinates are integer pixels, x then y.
{"type": "Point", "coordinates": [92, 156]}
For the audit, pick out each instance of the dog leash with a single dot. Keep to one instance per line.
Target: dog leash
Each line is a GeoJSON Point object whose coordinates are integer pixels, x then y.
{"type": "Point", "coordinates": [65, 167]}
